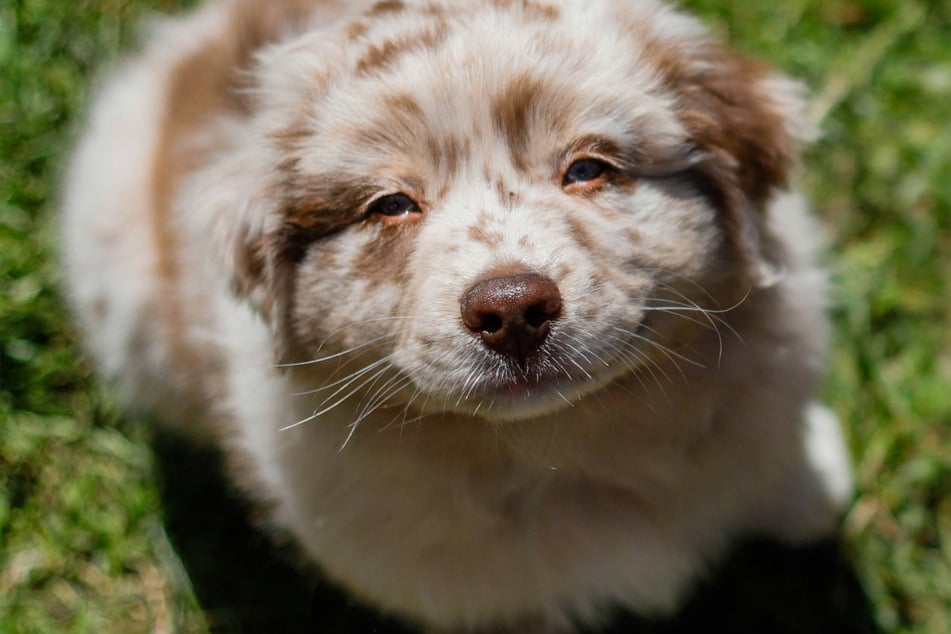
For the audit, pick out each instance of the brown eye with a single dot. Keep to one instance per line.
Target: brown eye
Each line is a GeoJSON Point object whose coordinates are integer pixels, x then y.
{"type": "Point", "coordinates": [392, 206]}
{"type": "Point", "coordinates": [584, 171]}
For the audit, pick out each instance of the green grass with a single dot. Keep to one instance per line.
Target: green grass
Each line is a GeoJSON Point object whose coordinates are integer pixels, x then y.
{"type": "Point", "coordinates": [90, 503]}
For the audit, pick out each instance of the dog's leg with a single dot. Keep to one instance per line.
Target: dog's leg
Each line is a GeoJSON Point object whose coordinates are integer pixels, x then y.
{"type": "Point", "coordinates": [810, 502]}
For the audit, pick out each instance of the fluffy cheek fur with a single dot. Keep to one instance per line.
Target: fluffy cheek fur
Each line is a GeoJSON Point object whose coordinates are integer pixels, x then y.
{"type": "Point", "coordinates": [348, 292]}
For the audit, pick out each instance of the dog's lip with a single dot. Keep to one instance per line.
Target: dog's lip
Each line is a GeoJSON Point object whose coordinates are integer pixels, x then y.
{"type": "Point", "coordinates": [552, 378]}
{"type": "Point", "coordinates": [524, 397]}
{"type": "Point", "coordinates": [527, 388]}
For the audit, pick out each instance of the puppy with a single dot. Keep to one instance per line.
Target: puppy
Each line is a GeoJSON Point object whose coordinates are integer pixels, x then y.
{"type": "Point", "coordinates": [502, 307]}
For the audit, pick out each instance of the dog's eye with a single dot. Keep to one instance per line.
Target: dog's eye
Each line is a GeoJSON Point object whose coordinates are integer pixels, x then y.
{"type": "Point", "coordinates": [394, 205]}
{"type": "Point", "coordinates": [584, 171]}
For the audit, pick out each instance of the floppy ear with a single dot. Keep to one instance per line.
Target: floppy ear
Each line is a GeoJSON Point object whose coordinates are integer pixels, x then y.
{"type": "Point", "coordinates": [230, 205]}
{"type": "Point", "coordinates": [238, 202]}
{"type": "Point", "coordinates": [752, 123]}
{"type": "Point", "coordinates": [235, 209]}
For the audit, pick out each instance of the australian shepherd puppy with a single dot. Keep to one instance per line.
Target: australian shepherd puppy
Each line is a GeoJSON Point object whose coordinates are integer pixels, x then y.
{"type": "Point", "coordinates": [503, 308]}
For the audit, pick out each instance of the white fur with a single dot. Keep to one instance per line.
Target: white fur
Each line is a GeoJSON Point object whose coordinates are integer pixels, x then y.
{"type": "Point", "coordinates": [448, 507]}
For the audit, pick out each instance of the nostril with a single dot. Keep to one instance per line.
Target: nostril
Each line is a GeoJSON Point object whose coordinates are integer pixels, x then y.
{"type": "Point", "coordinates": [512, 314]}
{"type": "Point", "coordinates": [541, 313]}
{"type": "Point", "coordinates": [491, 323]}
{"type": "Point", "coordinates": [478, 318]}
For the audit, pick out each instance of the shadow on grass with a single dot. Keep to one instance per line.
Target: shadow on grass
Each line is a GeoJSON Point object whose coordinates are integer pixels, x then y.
{"type": "Point", "coordinates": [247, 585]}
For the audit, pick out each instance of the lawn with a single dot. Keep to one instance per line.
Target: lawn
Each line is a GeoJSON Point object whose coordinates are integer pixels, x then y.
{"type": "Point", "coordinates": [105, 527]}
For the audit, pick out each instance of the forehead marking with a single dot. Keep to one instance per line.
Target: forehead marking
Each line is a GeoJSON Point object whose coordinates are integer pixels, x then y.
{"type": "Point", "coordinates": [491, 239]}
{"type": "Point", "coordinates": [380, 56]}
{"type": "Point", "coordinates": [386, 6]}
{"type": "Point", "coordinates": [531, 8]}
{"type": "Point", "coordinates": [447, 153]}
{"type": "Point", "coordinates": [506, 195]}
{"type": "Point", "coordinates": [515, 112]}
{"type": "Point", "coordinates": [356, 30]}
{"type": "Point", "coordinates": [633, 235]}
{"type": "Point", "coordinates": [444, 152]}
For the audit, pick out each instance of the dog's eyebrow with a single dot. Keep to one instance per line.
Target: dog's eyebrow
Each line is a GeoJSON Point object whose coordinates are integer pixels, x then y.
{"type": "Point", "coordinates": [639, 160]}
{"type": "Point", "coordinates": [686, 160]}
{"type": "Point", "coordinates": [326, 205]}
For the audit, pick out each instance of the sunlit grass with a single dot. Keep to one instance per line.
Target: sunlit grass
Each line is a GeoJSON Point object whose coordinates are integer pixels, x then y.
{"type": "Point", "coordinates": [83, 545]}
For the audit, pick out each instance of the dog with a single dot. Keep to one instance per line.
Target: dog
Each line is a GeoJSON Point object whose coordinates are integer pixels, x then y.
{"type": "Point", "coordinates": [505, 310]}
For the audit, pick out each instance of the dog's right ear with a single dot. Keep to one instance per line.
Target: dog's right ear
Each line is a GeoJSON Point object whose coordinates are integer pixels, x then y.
{"type": "Point", "coordinates": [245, 203]}
{"type": "Point", "coordinates": [240, 197]}
{"type": "Point", "coordinates": [231, 203]}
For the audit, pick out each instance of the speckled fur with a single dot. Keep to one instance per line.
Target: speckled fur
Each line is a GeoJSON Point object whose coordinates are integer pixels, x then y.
{"type": "Point", "coordinates": [221, 258]}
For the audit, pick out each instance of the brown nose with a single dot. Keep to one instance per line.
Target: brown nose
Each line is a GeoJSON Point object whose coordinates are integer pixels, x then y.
{"type": "Point", "coordinates": [512, 314]}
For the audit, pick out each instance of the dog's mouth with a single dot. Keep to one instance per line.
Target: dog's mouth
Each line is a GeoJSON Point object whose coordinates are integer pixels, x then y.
{"type": "Point", "coordinates": [505, 390]}
{"type": "Point", "coordinates": [525, 399]}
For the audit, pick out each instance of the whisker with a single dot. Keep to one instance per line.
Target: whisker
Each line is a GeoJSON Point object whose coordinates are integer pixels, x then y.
{"type": "Point", "coordinates": [691, 282]}
{"type": "Point", "coordinates": [344, 398]}
{"type": "Point", "coordinates": [369, 320]}
{"type": "Point", "coordinates": [349, 377]}
{"type": "Point", "coordinates": [587, 348]}
{"type": "Point", "coordinates": [336, 355]}
{"type": "Point", "coordinates": [392, 386]}
{"type": "Point", "coordinates": [646, 362]}
{"type": "Point", "coordinates": [667, 351]}
{"type": "Point", "coordinates": [712, 317]}
{"type": "Point", "coordinates": [478, 406]}
{"type": "Point", "coordinates": [573, 362]}
{"type": "Point", "coordinates": [405, 412]}
{"type": "Point", "coordinates": [379, 399]}
{"type": "Point", "coordinates": [358, 375]}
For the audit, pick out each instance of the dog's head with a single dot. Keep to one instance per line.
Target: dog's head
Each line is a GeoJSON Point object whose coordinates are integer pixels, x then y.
{"type": "Point", "coordinates": [500, 206]}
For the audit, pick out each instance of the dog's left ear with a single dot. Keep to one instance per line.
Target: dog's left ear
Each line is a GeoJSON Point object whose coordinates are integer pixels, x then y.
{"type": "Point", "coordinates": [752, 123]}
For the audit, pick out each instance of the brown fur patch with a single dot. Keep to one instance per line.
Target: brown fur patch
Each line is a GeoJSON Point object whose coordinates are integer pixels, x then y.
{"type": "Point", "coordinates": [379, 57]}
{"type": "Point", "coordinates": [728, 116]}
{"type": "Point", "coordinates": [356, 30]}
{"type": "Point", "coordinates": [386, 6]}
{"type": "Point", "coordinates": [547, 11]}
{"type": "Point", "coordinates": [202, 87]}
{"type": "Point", "coordinates": [480, 235]}
{"type": "Point", "coordinates": [564, 270]}
{"type": "Point", "coordinates": [250, 264]}
{"type": "Point", "coordinates": [633, 235]}
{"type": "Point", "coordinates": [725, 113]}
{"type": "Point", "coordinates": [289, 139]}
{"type": "Point", "coordinates": [403, 113]}
{"type": "Point", "coordinates": [506, 195]}
{"type": "Point", "coordinates": [580, 234]}
{"type": "Point", "coordinates": [446, 154]}
{"type": "Point", "coordinates": [317, 212]}
{"type": "Point", "coordinates": [513, 111]}
{"type": "Point", "coordinates": [406, 105]}
{"type": "Point", "coordinates": [531, 8]}
{"type": "Point", "coordinates": [385, 257]}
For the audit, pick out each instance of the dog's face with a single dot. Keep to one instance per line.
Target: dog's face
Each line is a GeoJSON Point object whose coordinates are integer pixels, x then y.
{"type": "Point", "coordinates": [500, 207]}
